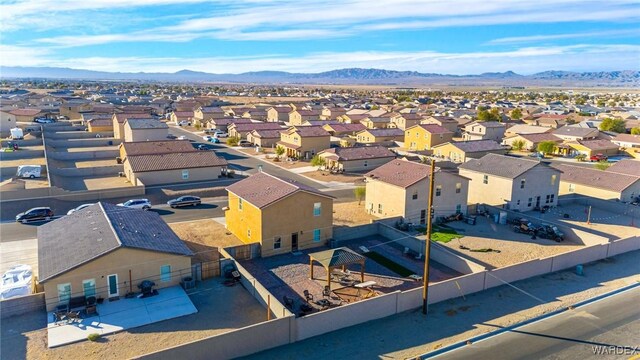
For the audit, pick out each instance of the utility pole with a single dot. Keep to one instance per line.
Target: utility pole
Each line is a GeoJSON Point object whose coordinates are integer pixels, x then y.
{"type": "Point", "coordinates": [427, 242]}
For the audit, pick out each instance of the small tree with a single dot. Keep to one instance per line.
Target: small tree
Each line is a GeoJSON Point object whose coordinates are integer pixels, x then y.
{"type": "Point", "coordinates": [602, 165]}
{"type": "Point", "coordinates": [518, 145]}
{"type": "Point", "coordinates": [360, 193]}
{"type": "Point", "coordinates": [635, 131]}
{"type": "Point", "coordinates": [581, 157]}
{"type": "Point", "coordinates": [516, 114]}
{"type": "Point", "coordinates": [317, 161]}
{"type": "Point", "coordinates": [615, 125]}
{"type": "Point", "coordinates": [279, 152]}
{"type": "Point", "coordinates": [232, 141]}
{"type": "Point", "coordinates": [546, 147]}
{"type": "Point", "coordinates": [197, 126]}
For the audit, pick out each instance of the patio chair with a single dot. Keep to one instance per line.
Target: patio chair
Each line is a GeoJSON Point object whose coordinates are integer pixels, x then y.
{"type": "Point", "coordinates": [308, 296]}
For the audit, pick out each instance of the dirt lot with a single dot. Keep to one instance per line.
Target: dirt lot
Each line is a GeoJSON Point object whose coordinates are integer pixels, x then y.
{"type": "Point", "coordinates": [603, 223]}
{"type": "Point", "coordinates": [357, 179]}
{"type": "Point", "coordinates": [91, 148]}
{"type": "Point", "coordinates": [252, 151]}
{"type": "Point", "coordinates": [93, 163]}
{"type": "Point", "coordinates": [289, 164]}
{"type": "Point", "coordinates": [220, 309]}
{"type": "Point", "coordinates": [202, 236]}
{"type": "Point", "coordinates": [18, 162]}
{"type": "Point", "coordinates": [514, 248]}
{"type": "Point", "coordinates": [108, 182]}
{"type": "Point", "coordinates": [350, 213]}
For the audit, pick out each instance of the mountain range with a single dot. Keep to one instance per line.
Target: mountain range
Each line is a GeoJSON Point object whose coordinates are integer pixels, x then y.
{"type": "Point", "coordinates": [628, 78]}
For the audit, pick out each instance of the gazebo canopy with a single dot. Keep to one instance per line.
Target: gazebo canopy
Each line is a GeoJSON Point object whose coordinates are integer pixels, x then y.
{"type": "Point", "coordinates": [333, 258]}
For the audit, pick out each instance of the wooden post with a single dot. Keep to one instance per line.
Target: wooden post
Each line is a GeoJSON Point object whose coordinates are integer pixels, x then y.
{"type": "Point", "coordinates": [362, 272]}
{"type": "Point", "coordinates": [329, 277]}
{"type": "Point", "coordinates": [268, 307]}
{"type": "Point", "coordinates": [427, 250]}
{"type": "Point", "coordinates": [311, 266]}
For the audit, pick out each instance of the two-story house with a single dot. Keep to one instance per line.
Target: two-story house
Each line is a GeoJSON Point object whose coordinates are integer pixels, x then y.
{"type": "Point", "coordinates": [303, 142]}
{"type": "Point", "coordinates": [425, 136]}
{"type": "Point", "coordinates": [401, 188]}
{"type": "Point", "coordinates": [513, 183]}
{"type": "Point", "coordinates": [380, 136]}
{"type": "Point", "coordinates": [282, 215]}
{"type": "Point", "coordinates": [488, 130]}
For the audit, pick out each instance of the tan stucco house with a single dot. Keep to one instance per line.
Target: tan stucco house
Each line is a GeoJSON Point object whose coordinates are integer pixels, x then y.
{"type": "Point", "coordinates": [488, 130]}
{"type": "Point", "coordinates": [303, 142]}
{"type": "Point", "coordinates": [461, 151]}
{"type": "Point", "coordinates": [426, 136]}
{"type": "Point", "coordinates": [607, 185]}
{"type": "Point", "coordinates": [119, 120]}
{"type": "Point", "coordinates": [513, 183]}
{"type": "Point", "coordinates": [401, 188]}
{"type": "Point", "coordinates": [110, 250]}
{"type": "Point", "coordinates": [145, 130]}
{"type": "Point", "coordinates": [380, 136]}
{"type": "Point", "coordinates": [360, 158]}
{"type": "Point", "coordinates": [282, 215]}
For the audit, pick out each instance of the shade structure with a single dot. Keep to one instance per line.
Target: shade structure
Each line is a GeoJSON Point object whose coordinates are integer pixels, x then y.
{"type": "Point", "coordinates": [335, 258]}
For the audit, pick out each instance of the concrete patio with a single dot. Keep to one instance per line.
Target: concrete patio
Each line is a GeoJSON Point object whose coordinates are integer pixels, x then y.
{"type": "Point", "coordinates": [122, 314]}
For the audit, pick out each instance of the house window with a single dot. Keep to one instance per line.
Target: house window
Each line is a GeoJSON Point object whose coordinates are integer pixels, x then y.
{"type": "Point", "coordinates": [458, 209]}
{"type": "Point", "coordinates": [89, 287]}
{"type": "Point", "coordinates": [438, 190]}
{"type": "Point", "coordinates": [317, 209]}
{"type": "Point", "coordinates": [277, 242]}
{"type": "Point", "coordinates": [485, 179]}
{"type": "Point", "coordinates": [64, 292]}
{"type": "Point", "coordinates": [529, 202]}
{"type": "Point", "coordinates": [518, 202]}
{"type": "Point", "coordinates": [552, 198]}
{"type": "Point", "coordinates": [239, 204]}
{"type": "Point", "coordinates": [366, 163]}
{"type": "Point", "coordinates": [248, 233]}
{"type": "Point", "coordinates": [458, 188]}
{"type": "Point", "coordinates": [316, 235]}
{"type": "Point", "coordinates": [572, 187]}
{"type": "Point", "coordinates": [185, 174]}
{"type": "Point", "coordinates": [522, 182]}
{"type": "Point", "coordinates": [165, 273]}
{"type": "Point", "coordinates": [547, 198]}
{"type": "Point", "coordinates": [379, 208]}
{"type": "Point", "coordinates": [414, 196]}
{"type": "Point", "coordinates": [553, 179]}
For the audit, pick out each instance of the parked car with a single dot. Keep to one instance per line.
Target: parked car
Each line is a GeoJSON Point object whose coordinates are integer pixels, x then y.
{"type": "Point", "coordinates": [219, 133]}
{"type": "Point", "coordinates": [35, 214]}
{"type": "Point", "coordinates": [207, 138]}
{"type": "Point", "coordinates": [202, 147]}
{"type": "Point", "coordinates": [171, 136]}
{"type": "Point", "coordinates": [62, 117]}
{"type": "Point", "coordinates": [184, 123]}
{"type": "Point", "coordinates": [78, 208]}
{"type": "Point", "coordinates": [184, 201]}
{"type": "Point", "coordinates": [215, 140]}
{"type": "Point", "coordinates": [43, 120]}
{"type": "Point", "coordinates": [598, 157]}
{"type": "Point", "coordinates": [143, 204]}
{"type": "Point", "coordinates": [244, 143]}
{"type": "Point", "coordinates": [182, 137]}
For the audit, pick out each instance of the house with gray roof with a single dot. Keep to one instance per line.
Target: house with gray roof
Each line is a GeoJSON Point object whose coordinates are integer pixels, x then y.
{"type": "Point", "coordinates": [513, 183]}
{"type": "Point", "coordinates": [145, 130]}
{"type": "Point", "coordinates": [358, 158]}
{"type": "Point", "coordinates": [461, 151]}
{"type": "Point", "coordinates": [105, 251]}
{"type": "Point", "coordinates": [599, 184]}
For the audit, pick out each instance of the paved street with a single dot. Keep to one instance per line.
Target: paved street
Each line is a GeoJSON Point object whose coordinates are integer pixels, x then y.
{"type": "Point", "coordinates": [611, 324]}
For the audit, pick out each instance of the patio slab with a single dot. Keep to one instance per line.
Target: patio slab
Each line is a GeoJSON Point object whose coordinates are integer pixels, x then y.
{"type": "Point", "coordinates": [122, 314]}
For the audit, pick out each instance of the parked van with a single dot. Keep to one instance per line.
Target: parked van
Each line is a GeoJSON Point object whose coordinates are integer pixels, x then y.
{"type": "Point", "coordinates": [29, 171]}
{"type": "Point", "coordinates": [17, 134]}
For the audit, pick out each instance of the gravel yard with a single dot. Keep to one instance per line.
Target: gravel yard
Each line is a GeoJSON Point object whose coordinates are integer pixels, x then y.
{"type": "Point", "coordinates": [202, 236]}
{"type": "Point", "coordinates": [350, 214]}
{"type": "Point", "coordinates": [603, 222]}
{"type": "Point", "coordinates": [514, 247]}
{"type": "Point", "coordinates": [220, 309]}
{"type": "Point", "coordinates": [410, 334]}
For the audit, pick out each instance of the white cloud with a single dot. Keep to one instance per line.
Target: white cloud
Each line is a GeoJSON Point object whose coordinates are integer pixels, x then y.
{"type": "Point", "coordinates": [525, 60]}
{"type": "Point", "coordinates": [593, 34]}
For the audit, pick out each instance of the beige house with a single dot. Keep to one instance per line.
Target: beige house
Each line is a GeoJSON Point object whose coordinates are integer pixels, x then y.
{"type": "Point", "coordinates": [203, 113]}
{"type": "Point", "coordinates": [7, 122]}
{"type": "Point", "coordinates": [574, 133]}
{"type": "Point", "coordinates": [190, 166]}
{"type": "Point", "coordinates": [342, 129]}
{"type": "Point", "coordinates": [406, 120]}
{"type": "Point", "coordinates": [177, 116]}
{"type": "Point", "coordinates": [121, 118]}
{"type": "Point", "coordinates": [358, 158]}
{"type": "Point", "coordinates": [400, 188]}
{"type": "Point", "coordinates": [531, 141]}
{"type": "Point", "coordinates": [488, 130]}
{"type": "Point", "coordinates": [264, 138]}
{"type": "Point", "coordinates": [426, 136]}
{"type": "Point", "coordinates": [303, 142]}
{"type": "Point", "coordinates": [278, 113]}
{"type": "Point", "coordinates": [110, 251]}
{"type": "Point", "coordinates": [241, 130]}
{"type": "Point", "coordinates": [513, 183]}
{"type": "Point", "coordinates": [461, 151]}
{"type": "Point", "coordinates": [446, 122]}
{"type": "Point", "coordinates": [607, 185]}
{"type": "Point", "coordinates": [282, 215]}
{"type": "Point", "coordinates": [145, 130]}
{"type": "Point", "coordinates": [380, 136]}
{"type": "Point", "coordinates": [298, 117]}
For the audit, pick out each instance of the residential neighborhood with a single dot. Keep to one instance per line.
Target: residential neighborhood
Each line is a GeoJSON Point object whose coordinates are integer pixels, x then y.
{"type": "Point", "coordinates": [178, 222]}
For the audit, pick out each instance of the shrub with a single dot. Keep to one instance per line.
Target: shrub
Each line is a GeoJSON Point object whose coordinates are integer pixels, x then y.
{"type": "Point", "coordinates": [317, 161]}
{"type": "Point", "coordinates": [232, 141]}
{"type": "Point", "coordinates": [93, 337]}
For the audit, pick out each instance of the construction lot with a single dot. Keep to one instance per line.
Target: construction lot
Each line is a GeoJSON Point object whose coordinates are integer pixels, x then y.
{"type": "Point", "coordinates": [613, 224]}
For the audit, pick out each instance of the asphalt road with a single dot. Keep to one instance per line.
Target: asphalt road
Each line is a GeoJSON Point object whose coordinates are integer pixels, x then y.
{"type": "Point", "coordinates": [611, 325]}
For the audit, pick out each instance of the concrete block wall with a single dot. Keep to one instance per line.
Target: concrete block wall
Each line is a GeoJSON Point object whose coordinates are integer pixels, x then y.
{"type": "Point", "coordinates": [78, 135]}
{"type": "Point", "coordinates": [524, 270]}
{"type": "Point", "coordinates": [22, 305]}
{"type": "Point", "coordinates": [82, 155]}
{"type": "Point", "coordinates": [89, 171]}
{"type": "Point", "coordinates": [21, 154]}
{"type": "Point", "coordinates": [624, 245]}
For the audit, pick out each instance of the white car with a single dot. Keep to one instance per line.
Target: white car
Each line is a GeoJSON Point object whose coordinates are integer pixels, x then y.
{"type": "Point", "coordinates": [143, 204]}
{"type": "Point", "coordinates": [206, 138]}
{"type": "Point", "coordinates": [220, 133]}
{"type": "Point", "coordinates": [78, 208]}
{"type": "Point", "coordinates": [182, 137]}
{"type": "Point", "coordinates": [17, 281]}
{"type": "Point", "coordinates": [184, 123]}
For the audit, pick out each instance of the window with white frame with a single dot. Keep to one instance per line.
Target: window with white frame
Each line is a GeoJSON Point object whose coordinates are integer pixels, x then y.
{"type": "Point", "coordinates": [379, 208]}
{"type": "Point", "coordinates": [414, 196]}
{"type": "Point", "coordinates": [248, 233]}
{"type": "Point", "coordinates": [485, 179]}
{"type": "Point", "coordinates": [240, 204]}
{"type": "Point", "coordinates": [572, 187]}
{"type": "Point", "coordinates": [317, 209]}
{"type": "Point", "coordinates": [185, 174]}
{"type": "Point", "coordinates": [522, 182]}
{"type": "Point", "coordinates": [277, 242]}
{"type": "Point", "coordinates": [438, 190]}
{"type": "Point", "coordinates": [89, 287]}
{"type": "Point", "coordinates": [553, 179]}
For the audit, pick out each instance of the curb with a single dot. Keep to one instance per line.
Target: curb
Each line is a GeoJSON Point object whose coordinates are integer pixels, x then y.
{"type": "Point", "coordinates": [478, 338]}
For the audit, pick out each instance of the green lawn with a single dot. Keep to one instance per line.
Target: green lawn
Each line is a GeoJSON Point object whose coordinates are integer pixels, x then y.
{"type": "Point", "coordinates": [444, 234]}
{"type": "Point", "coordinates": [389, 264]}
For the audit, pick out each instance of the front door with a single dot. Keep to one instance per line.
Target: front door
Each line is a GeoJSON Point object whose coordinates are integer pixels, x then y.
{"type": "Point", "coordinates": [537, 201]}
{"type": "Point", "coordinates": [112, 282]}
{"type": "Point", "coordinates": [294, 241]}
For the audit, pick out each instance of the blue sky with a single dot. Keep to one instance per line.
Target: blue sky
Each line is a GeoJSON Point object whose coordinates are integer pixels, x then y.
{"type": "Point", "coordinates": [222, 36]}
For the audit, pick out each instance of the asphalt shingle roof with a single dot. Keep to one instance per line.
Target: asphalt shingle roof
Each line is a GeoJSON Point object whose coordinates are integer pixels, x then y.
{"type": "Point", "coordinates": [263, 189]}
{"type": "Point", "coordinates": [501, 165]}
{"type": "Point", "coordinates": [400, 173]}
{"type": "Point", "coordinates": [477, 145]}
{"type": "Point", "coordinates": [85, 235]}
{"type": "Point", "coordinates": [146, 124]}
{"type": "Point", "coordinates": [157, 147]}
{"type": "Point", "coordinates": [607, 180]}
{"type": "Point", "coordinates": [360, 153]}
{"type": "Point", "coordinates": [174, 161]}
{"type": "Point", "coordinates": [384, 132]}
{"type": "Point", "coordinates": [628, 167]}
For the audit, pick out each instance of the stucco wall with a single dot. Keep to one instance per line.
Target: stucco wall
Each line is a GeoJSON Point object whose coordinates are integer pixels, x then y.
{"type": "Point", "coordinates": [173, 176]}
{"type": "Point", "coordinates": [144, 134]}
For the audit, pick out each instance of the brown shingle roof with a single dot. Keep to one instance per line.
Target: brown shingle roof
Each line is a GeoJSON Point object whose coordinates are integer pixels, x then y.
{"type": "Point", "coordinates": [597, 144]}
{"type": "Point", "coordinates": [122, 117]}
{"type": "Point", "coordinates": [595, 178]}
{"type": "Point", "coordinates": [627, 138]}
{"type": "Point", "coordinates": [308, 131]}
{"type": "Point", "coordinates": [433, 128]}
{"type": "Point", "coordinates": [266, 134]}
{"type": "Point", "coordinates": [384, 132]}
{"type": "Point", "coordinates": [360, 153]}
{"type": "Point", "coordinates": [173, 161]}
{"type": "Point", "coordinates": [536, 138]}
{"type": "Point", "coordinates": [476, 145]}
{"type": "Point", "coordinates": [347, 127]}
{"type": "Point", "coordinates": [157, 147]}
{"type": "Point", "coordinates": [628, 167]}
{"type": "Point", "coordinates": [500, 165]}
{"type": "Point", "coordinates": [263, 189]}
{"type": "Point", "coordinates": [400, 173]}
{"type": "Point", "coordinates": [25, 112]}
